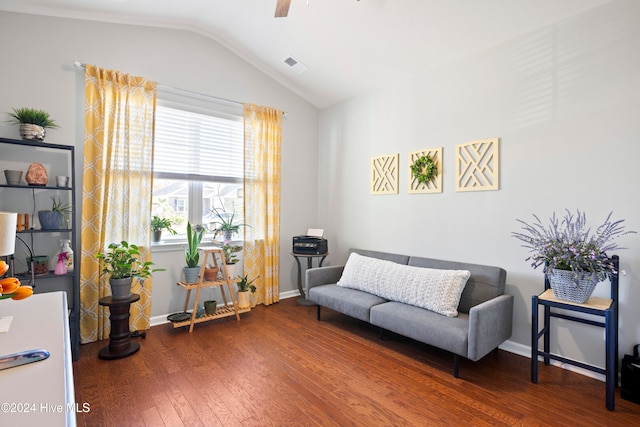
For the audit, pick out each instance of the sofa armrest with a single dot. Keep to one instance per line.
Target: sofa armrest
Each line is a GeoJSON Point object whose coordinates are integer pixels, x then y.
{"type": "Point", "coordinates": [490, 324]}
{"type": "Point", "coordinates": [322, 276]}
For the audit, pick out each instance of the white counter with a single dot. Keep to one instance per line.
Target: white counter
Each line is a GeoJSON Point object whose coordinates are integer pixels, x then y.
{"type": "Point", "coordinates": [39, 393]}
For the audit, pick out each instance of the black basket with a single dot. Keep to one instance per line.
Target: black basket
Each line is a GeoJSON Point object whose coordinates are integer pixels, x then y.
{"type": "Point", "coordinates": [630, 374]}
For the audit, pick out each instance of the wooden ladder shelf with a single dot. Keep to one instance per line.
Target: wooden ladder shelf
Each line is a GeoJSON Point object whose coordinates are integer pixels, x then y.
{"type": "Point", "coordinates": [225, 310]}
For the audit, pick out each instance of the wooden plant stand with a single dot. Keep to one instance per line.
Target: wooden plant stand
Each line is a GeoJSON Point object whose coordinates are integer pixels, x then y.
{"type": "Point", "coordinates": [225, 310]}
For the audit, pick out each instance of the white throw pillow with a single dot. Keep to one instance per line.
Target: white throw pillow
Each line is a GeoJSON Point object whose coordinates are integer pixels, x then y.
{"type": "Point", "coordinates": [434, 289]}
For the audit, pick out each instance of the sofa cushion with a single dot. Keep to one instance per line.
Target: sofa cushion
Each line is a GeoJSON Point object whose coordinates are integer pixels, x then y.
{"type": "Point", "coordinates": [347, 301]}
{"type": "Point", "coordinates": [434, 289]}
{"type": "Point", "coordinates": [447, 333]}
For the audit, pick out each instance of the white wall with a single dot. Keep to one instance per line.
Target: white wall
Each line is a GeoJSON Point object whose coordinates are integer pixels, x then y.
{"type": "Point", "coordinates": [37, 72]}
{"type": "Point", "coordinates": [565, 103]}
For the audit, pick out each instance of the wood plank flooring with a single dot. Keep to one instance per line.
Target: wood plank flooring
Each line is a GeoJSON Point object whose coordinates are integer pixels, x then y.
{"type": "Point", "coordinates": [279, 366]}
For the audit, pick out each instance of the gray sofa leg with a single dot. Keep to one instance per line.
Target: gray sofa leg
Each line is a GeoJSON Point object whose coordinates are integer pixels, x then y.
{"type": "Point", "coordinates": [318, 312]}
{"type": "Point", "coordinates": [456, 363]}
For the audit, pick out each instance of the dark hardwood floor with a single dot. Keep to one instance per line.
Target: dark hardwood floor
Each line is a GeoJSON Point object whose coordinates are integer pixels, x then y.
{"type": "Point", "coordinates": [279, 366]}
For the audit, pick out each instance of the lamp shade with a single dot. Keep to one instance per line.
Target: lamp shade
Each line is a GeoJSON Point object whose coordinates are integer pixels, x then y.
{"type": "Point", "coordinates": [8, 223]}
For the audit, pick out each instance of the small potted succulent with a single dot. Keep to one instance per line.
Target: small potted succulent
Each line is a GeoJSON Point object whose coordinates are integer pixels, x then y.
{"type": "Point", "coordinates": [33, 123]}
{"type": "Point", "coordinates": [211, 272]}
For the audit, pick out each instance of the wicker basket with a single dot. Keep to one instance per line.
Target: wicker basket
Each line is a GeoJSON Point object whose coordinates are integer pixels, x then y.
{"type": "Point", "coordinates": [567, 288]}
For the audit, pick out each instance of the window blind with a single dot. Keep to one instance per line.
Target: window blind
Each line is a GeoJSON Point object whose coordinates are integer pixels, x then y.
{"type": "Point", "coordinates": [195, 146]}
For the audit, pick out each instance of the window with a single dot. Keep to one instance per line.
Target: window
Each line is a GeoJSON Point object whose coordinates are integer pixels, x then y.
{"type": "Point", "coordinates": [198, 164]}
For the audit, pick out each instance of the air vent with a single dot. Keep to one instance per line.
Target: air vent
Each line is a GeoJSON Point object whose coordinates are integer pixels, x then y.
{"type": "Point", "coordinates": [296, 65]}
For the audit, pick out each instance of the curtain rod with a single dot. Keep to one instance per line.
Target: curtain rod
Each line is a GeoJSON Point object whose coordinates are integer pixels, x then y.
{"type": "Point", "coordinates": [78, 64]}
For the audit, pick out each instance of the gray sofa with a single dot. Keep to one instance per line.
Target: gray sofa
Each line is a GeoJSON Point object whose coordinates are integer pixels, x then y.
{"type": "Point", "coordinates": [484, 317]}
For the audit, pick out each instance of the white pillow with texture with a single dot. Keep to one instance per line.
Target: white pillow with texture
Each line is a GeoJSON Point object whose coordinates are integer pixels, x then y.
{"type": "Point", "coordinates": [434, 289]}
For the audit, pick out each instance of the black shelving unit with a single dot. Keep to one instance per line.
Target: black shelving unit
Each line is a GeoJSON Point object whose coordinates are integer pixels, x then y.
{"type": "Point", "coordinates": [26, 152]}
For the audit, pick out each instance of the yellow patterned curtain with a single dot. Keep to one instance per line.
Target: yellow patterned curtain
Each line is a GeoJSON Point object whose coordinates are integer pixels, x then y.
{"type": "Point", "coordinates": [263, 138]}
{"type": "Point", "coordinates": [117, 182]}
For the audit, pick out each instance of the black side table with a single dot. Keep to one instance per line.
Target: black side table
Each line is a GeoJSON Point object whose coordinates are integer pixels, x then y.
{"type": "Point", "coordinates": [303, 300]}
{"type": "Point", "coordinates": [120, 344]}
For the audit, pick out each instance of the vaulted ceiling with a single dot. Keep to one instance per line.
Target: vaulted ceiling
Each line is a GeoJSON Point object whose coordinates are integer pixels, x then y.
{"type": "Point", "coordinates": [347, 46]}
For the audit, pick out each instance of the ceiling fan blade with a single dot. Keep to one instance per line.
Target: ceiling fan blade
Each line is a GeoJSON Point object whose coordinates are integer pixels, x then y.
{"type": "Point", "coordinates": [282, 8]}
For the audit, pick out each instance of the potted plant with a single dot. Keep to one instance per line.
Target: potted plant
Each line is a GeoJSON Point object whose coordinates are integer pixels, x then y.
{"type": "Point", "coordinates": [210, 307]}
{"type": "Point", "coordinates": [52, 219]}
{"type": "Point", "coordinates": [211, 272]}
{"type": "Point", "coordinates": [573, 259]}
{"type": "Point", "coordinates": [158, 224]}
{"type": "Point", "coordinates": [122, 263]}
{"type": "Point", "coordinates": [230, 259]}
{"type": "Point", "coordinates": [224, 224]}
{"type": "Point", "coordinates": [245, 286]}
{"type": "Point", "coordinates": [33, 123]}
{"type": "Point", "coordinates": [192, 254]}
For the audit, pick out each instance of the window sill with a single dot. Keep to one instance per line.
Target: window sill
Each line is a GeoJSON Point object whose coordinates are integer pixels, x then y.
{"type": "Point", "coordinates": [169, 246]}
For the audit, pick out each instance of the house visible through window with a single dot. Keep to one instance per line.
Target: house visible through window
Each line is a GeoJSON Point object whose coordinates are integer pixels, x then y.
{"type": "Point", "coordinates": [198, 165]}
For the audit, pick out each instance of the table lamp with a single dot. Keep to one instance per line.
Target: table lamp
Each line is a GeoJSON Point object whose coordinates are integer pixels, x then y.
{"type": "Point", "coordinates": [8, 223]}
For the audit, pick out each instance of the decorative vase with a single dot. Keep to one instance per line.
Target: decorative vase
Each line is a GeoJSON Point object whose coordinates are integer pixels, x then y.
{"type": "Point", "coordinates": [211, 274]}
{"type": "Point", "coordinates": [244, 300]}
{"type": "Point", "coordinates": [567, 288]}
{"type": "Point", "coordinates": [50, 220]}
{"type": "Point", "coordinates": [120, 288]}
{"type": "Point", "coordinates": [31, 131]}
{"type": "Point", "coordinates": [156, 235]}
{"type": "Point", "coordinates": [191, 274]}
{"type": "Point", "coordinates": [13, 177]}
{"type": "Point", "coordinates": [210, 307]}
